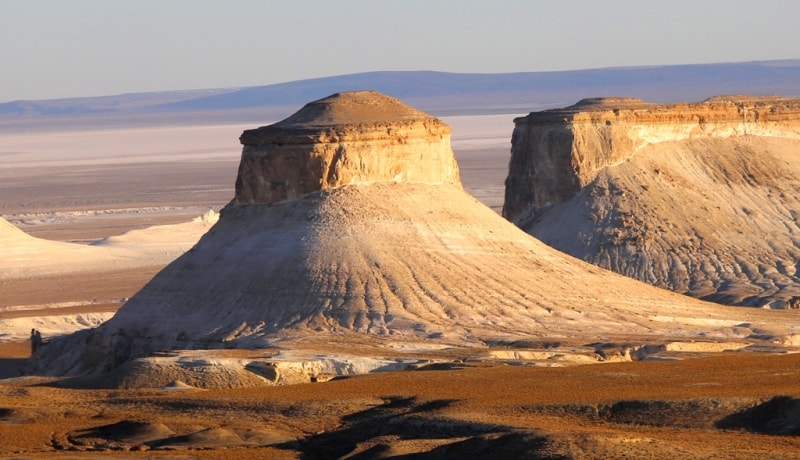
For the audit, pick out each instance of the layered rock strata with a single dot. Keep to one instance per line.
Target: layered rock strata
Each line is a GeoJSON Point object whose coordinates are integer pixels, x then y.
{"type": "Point", "coordinates": [557, 152]}
{"type": "Point", "coordinates": [697, 198]}
{"type": "Point", "coordinates": [348, 138]}
{"type": "Point", "coordinates": [388, 255]}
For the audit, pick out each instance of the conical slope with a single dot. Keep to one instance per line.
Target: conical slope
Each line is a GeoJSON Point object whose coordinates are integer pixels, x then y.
{"type": "Point", "coordinates": [400, 260]}
{"type": "Point", "coordinates": [383, 258]}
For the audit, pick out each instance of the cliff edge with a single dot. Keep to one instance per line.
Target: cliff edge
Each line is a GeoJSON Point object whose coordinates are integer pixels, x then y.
{"type": "Point", "coordinates": [557, 152]}
{"type": "Point", "coordinates": [698, 198]}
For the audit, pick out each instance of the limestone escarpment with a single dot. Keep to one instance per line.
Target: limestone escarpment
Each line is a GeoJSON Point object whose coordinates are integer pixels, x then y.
{"type": "Point", "coordinates": [347, 138]}
{"type": "Point", "coordinates": [684, 197]}
{"type": "Point", "coordinates": [557, 152]}
{"type": "Point", "coordinates": [25, 256]}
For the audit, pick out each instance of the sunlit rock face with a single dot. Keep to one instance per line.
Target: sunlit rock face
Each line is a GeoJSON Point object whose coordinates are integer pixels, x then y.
{"type": "Point", "coordinates": [348, 138]}
{"type": "Point", "coordinates": [697, 198]}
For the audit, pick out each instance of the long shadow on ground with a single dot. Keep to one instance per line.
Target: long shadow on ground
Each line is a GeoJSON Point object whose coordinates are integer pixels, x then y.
{"type": "Point", "coordinates": [10, 367]}
{"type": "Point", "coordinates": [404, 418]}
{"type": "Point", "coordinates": [777, 416]}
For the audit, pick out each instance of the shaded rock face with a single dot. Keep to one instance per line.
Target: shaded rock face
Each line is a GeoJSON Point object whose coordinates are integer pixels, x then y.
{"type": "Point", "coordinates": [696, 198]}
{"type": "Point", "coordinates": [347, 138]}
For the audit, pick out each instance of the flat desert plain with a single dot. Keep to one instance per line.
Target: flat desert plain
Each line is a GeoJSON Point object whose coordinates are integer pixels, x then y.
{"type": "Point", "coordinates": [82, 186]}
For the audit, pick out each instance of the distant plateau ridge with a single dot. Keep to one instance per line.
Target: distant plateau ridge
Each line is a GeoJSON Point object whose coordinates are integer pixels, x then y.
{"type": "Point", "coordinates": [439, 93]}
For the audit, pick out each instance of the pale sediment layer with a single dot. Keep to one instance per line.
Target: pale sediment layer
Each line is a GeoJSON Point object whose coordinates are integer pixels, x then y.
{"type": "Point", "coordinates": [26, 257]}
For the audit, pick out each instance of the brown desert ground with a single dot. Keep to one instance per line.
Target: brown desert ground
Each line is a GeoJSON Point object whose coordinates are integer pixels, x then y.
{"type": "Point", "coordinates": [728, 405]}
{"type": "Point", "coordinates": [733, 405]}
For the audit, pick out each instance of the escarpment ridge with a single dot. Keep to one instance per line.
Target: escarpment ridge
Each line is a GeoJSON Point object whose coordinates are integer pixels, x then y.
{"type": "Point", "coordinates": [557, 152]}
{"type": "Point", "coordinates": [383, 260]}
{"type": "Point", "coordinates": [699, 198]}
{"type": "Point", "coordinates": [24, 255]}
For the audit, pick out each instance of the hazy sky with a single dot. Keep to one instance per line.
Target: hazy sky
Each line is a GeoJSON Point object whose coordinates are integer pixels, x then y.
{"type": "Point", "coordinates": [68, 48]}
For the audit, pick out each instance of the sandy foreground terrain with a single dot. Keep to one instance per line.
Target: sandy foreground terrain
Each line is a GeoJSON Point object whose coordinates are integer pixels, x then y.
{"type": "Point", "coordinates": [84, 186]}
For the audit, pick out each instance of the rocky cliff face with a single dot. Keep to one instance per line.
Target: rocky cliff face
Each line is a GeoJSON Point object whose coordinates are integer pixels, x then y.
{"type": "Point", "coordinates": [557, 152]}
{"type": "Point", "coordinates": [348, 138]}
{"type": "Point", "coordinates": [696, 198]}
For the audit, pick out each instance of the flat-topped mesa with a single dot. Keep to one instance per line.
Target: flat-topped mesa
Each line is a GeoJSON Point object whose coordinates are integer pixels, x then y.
{"type": "Point", "coordinates": [346, 138]}
{"type": "Point", "coordinates": [556, 152]}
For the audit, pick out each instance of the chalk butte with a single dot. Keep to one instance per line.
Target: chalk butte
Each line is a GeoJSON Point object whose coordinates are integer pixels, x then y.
{"type": "Point", "coordinates": [381, 265]}
{"type": "Point", "coordinates": [557, 152]}
{"type": "Point", "coordinates": [699, 198]}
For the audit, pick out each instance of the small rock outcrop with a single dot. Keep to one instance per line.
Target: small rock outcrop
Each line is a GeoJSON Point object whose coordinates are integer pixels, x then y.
{"type": "Point", "coordinates": [699, 198]}
{"type": "Point", "coordinates": [350, 227]}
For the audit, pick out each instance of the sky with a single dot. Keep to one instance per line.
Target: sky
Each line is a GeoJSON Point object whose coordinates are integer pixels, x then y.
{"type": "Point", "coordinates": [59, 48]}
